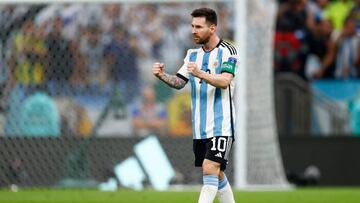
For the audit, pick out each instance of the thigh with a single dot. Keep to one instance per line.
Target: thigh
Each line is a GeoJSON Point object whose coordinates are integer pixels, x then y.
{"type": "Point", "coordinates": [218, 150]}
{"type": "Point", "coordinates": [199, 149]}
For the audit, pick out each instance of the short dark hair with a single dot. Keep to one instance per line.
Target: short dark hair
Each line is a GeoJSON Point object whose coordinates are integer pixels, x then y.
{"type": "Point", "coordinates": [208, 13]}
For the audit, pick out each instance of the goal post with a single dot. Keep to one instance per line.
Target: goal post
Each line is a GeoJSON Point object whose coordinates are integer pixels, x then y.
{"type": "Point", "coordinates": [258, 162]}
{"type": "Point", "coordinates": [240, 149]}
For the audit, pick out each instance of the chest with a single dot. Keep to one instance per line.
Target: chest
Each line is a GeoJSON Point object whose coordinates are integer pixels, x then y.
{"type": "Point", "coordinates": [209, 61]}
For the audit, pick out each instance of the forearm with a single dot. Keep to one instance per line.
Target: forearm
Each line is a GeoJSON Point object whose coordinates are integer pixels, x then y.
{"type": "Point", "coordinates": [330, 55]}
{"type": "Point", "coordinates": [217, 80]}
{"type": "Point", "coordinates": [157, 123]}
{"type": "Point", "coordinates": [139, 123]}
{"type": "Point", "coordinates": [172, 80]}
{"type": "Point", "coordinates": [149, 124]}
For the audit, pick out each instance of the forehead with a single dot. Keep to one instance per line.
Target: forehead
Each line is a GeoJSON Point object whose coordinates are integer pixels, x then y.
{"type": "Point", "coordinates": [199, 21]}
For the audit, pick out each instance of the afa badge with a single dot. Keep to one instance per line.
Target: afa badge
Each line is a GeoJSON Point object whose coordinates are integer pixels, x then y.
{"type": "Point", "coordinates": [215, 64]}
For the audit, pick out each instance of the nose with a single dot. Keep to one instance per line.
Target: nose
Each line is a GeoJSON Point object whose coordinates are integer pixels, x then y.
{"type": "Point", "coordinates": [193, 30]}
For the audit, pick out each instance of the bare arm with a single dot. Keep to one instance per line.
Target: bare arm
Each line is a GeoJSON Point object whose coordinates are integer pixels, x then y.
{"type": "Point", "coordinates": [331, 49]}
{"type": "Point", "coordinates": [156, 123]}
{"type": "Point", "coordinates": [330, 55]}
{"type": "Point", "coordinates": [171, 80]}
{"type": "Point", "coordinates": [218, 80]}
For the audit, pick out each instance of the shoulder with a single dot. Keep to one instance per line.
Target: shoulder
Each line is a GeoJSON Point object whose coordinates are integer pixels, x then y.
{"type": "Point", "coordinates": [228, 47]}
{"type": "Point", "coordinates": [194, 50]}
{"type": "Point", "coordinates": [192, 53]}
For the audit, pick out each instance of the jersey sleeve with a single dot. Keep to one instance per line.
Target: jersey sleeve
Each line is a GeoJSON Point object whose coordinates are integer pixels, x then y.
{"type": "Point", "coordinates": [183, 73]}
{"type": "Point", "coordinates": [230, 63]}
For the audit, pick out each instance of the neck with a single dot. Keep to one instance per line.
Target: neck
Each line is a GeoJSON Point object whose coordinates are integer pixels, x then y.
{"type": "Point", "coordinates": [212, 43]}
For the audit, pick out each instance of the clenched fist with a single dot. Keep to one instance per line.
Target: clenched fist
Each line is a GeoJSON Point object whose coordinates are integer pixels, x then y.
{"type": "Point", "coordinates": [193, 69]}
{"type": "Point", "coordinates": [158, 69]}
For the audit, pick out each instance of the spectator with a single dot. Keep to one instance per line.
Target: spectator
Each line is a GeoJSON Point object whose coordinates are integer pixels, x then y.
{"type": "Point", "coordinates": [61, 60]}
{"type": "Point", "coordinates": [290, 38]}
{"type": "Point", "coordinates": [149, 117]}
{"type": "Point", "coordinates": [226, 29]}
{"type": "Point", "coordinates": [4, 81]}
{"type": "Point", "coordinates": [179, 113]}
{"type": "Point", "coordinates": [10, 14]}
{"type": "Point", "coordinates": [172, 46]}
{"type": "Point", "coordinates": [121, 62]}
{"type": "Point", "coordinates": [111, 16]}
{"type": "Point", "coordinates": [26, 70]}
{"type": "Point", "coordinates": [92, 70]}
{"type": "Point", "coordinates": [355, 13]}
{"type": "Point", "coordinates": [145, 24]}
{"type": "Point", "coordinates": [152, 28]}
{"type": "Point", "coordinates": [74, 118]}
{"type": "Point", "coordinates": [348, 55]}
{"type": "Point", "coordinates": [316, 10]}
{"type": "Point", "coordinates": [321, 61]}
{"type": "Point", "coordinates": [337, 11]}
{"type": "Point", "coordinates": [28, 55]}
{"type": "Point", "coordinates": [70, 14]}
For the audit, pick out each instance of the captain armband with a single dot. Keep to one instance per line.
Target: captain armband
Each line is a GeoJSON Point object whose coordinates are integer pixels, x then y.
{"type": "Point", "coordinates": [229, 66]}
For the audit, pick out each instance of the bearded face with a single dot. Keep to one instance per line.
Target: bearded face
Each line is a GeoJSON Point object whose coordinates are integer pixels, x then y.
{"type": "Point", "coordinates": [201, 30]}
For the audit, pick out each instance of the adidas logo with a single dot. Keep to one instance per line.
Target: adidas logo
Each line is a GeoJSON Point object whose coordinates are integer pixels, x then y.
{"type": "Point", "coordinates": [218, 155]}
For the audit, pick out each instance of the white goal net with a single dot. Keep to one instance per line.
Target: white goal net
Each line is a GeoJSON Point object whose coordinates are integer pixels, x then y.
{"type": "Point", "coordinates": [258, 159]}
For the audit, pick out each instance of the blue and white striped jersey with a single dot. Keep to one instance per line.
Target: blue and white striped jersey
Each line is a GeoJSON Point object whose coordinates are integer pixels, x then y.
{"type": "Point", "coordinates": [213, 112]}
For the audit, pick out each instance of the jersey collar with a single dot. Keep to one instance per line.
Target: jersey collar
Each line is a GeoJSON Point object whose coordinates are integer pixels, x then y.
{"type": "Point", "coordinates": [217, 46]}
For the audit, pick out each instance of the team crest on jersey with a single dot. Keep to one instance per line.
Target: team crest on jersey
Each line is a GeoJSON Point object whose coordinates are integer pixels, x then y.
{"type": "Point", "coordinates": [215, 64]}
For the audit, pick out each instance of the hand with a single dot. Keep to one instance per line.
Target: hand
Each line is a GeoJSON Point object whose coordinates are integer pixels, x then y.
{"type": "Point", "coordinates": [158, 69]}
{"type": "Point", "coordinates": [346, 71]}
{"type": "Point", "coordinates": [318, 74]}
{"type": "Point", "coordinates": [193, 69]}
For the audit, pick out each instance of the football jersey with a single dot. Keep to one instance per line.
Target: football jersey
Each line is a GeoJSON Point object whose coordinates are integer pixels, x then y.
{"type": "Point", "coordinates": [213, 112]}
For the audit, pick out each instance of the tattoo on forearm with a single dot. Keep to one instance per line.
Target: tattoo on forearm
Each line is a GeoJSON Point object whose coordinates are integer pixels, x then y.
{"type": "Point", "coordinates": [173, 81]}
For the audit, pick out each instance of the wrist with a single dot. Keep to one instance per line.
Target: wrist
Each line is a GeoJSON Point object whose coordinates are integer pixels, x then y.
{"type": "Point", "coordinates": [202, 75]}
{"type": "Point", "coordinates": [160, 75]}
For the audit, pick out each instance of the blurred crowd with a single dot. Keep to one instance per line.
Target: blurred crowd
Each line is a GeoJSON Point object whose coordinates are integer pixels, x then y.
{"type": "Point", "coordinates": [75, 61]}
{"type": "Point", "coordinates": [318, 39]}
{"type": "Point", "coordinates": [58, 62]}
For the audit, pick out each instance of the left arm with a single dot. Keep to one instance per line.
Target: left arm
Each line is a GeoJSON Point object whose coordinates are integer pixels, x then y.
{"type": "Point", "coordinates": [218, 80]}
{"type": "Point", "coordinates": [156, 123]}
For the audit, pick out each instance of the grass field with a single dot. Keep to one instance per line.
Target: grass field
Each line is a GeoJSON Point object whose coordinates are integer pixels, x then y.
{"type": "Point", "coordinates": [309, 195]}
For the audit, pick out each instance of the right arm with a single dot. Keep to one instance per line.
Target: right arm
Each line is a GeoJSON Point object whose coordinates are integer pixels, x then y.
{"type": "Point", "coordinates": [171, 80]}
{"type": "Point", "coordinates": [328, 59]}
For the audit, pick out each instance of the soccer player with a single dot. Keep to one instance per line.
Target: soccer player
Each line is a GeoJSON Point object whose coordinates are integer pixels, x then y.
{"type": "Point", "coordinates": [210, 70]}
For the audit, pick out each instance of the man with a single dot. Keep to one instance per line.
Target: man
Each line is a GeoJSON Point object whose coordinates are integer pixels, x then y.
{"type": "Point", "coordinates": [210, 70]}
{"type": "Point", "coordinates": [149, 117]}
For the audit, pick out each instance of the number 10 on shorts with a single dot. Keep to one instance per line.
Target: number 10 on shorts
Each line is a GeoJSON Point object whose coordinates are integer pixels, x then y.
{"type": "Point", "coordinates": [218, 144]}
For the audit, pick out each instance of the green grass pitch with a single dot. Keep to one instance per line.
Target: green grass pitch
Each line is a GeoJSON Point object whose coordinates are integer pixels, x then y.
{"type": "Point", "coordinates": [308, 195]}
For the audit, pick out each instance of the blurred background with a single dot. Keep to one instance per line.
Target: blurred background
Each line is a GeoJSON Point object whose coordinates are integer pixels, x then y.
{"type": "Point", "coordinates": [77, 93]}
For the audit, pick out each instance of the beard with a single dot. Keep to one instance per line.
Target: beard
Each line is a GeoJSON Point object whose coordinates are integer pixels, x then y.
{"type": "Point", "coordinates": [199, 40]}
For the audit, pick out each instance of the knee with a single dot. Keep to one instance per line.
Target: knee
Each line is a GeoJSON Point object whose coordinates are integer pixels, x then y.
{"type": "Point", "coordinates": [221, 175]}
{"type": "Point", "coordinates": [211, 168]}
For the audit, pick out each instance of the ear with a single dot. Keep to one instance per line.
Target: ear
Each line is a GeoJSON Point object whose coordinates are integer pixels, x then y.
{"type": "Point", "coordinates": [213, 28]}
